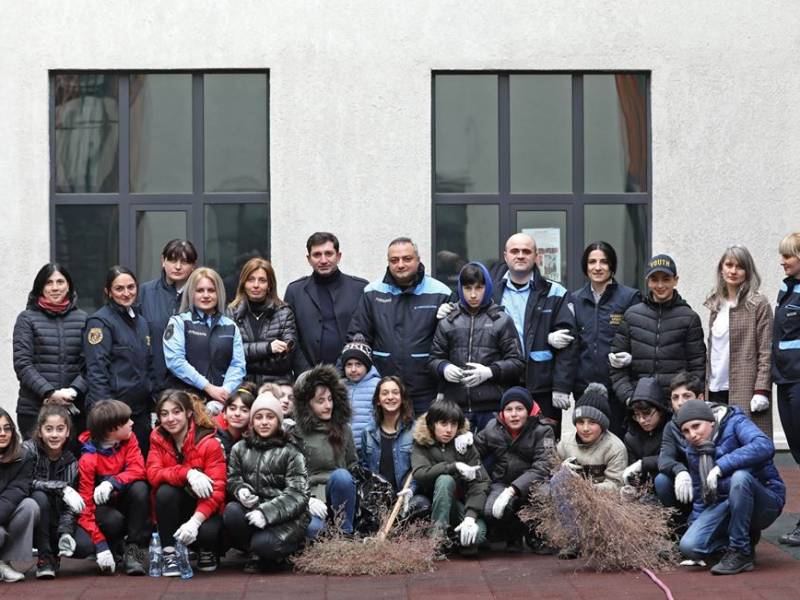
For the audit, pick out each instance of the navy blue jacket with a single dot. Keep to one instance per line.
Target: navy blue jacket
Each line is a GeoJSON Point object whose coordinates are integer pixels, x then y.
{"type": "Point", "coordinates": [369, 454]}
{"type": "Point", "coordinates": [672, 456]}
{"type": "Point", "coordinates": [597, 324]}
{"type": "Point", "coordinates": [786, 334]}
{"type": "Point", "coordinates": [118, 359]}
{"type": "Point", "coordinates": [159, 301]}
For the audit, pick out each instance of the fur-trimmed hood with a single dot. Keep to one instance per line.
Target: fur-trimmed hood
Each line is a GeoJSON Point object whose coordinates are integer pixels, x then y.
{"type": "Point", "coordinates": [423, 435]}
{"type": "Point", "coordinates": [328, 376]}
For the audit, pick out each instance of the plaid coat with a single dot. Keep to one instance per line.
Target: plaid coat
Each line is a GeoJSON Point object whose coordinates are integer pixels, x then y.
{"type": "Point", "coordinates": [751, 350]}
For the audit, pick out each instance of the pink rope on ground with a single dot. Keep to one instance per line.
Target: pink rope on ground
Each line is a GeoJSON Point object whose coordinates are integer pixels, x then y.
{"type": "Point", "coordinates": [659, 583]}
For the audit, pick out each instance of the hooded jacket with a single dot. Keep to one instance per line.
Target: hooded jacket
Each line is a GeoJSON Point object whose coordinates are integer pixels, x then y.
{"type": "Point", "coordinates": [487, 337]}
{"type": "Point", "coordinates": [313, 435]}
{"type": "Point", "coordinates": [48, 353]}
{"type": "Point", "coordinates": [603, 461]}
{"type": "Point", "coordinates": [360, 396]}
{"type": "Point", "coordinates": [159, 301]}
{"type": "Point", "coordinates": [786, 333]}
{"type": "Point", "coordinates": [646, 445]}
{"type": "Point", "coordinates": [430, 459]}
{"type": "Point", "coordinates": [51, 477]}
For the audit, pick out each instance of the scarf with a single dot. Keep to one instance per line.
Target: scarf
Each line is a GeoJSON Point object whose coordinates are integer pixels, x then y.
{"type": "Point", "coordinates": [705, 452]}
{"type": "Point", "coordinates": [51, 307]}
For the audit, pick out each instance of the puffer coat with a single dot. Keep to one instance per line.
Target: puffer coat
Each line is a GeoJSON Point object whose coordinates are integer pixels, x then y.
{"type": "Point", "coordinates": [274, 470]}
{"type": "Point", "coordinates": [51, 477]}
{"type": "Point", "coordinates": [360, 394]}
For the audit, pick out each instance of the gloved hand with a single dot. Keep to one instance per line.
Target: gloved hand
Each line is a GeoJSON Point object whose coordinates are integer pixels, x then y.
{"type": "Point", "coordinates": [628, 493]}
{"type": "Point", "coordinates": [477, 375]}
{"type": "Point", "coordinates": [713, 477]}
{"type": "Point", "coordinates": [317, 508]}
{"type": "Point", "coordinates": [468, 528]}
{"type": "Point", "coordinates": [105, 560]}
{"type": "Point", "coordinates": [453, 374]}
{"type": "Point", "coordinates": [500, 503]}
{"type": "Point", "coordinates": [571, 463]}
{"type": "Point", "coordinates": [187, 533]}
{"type": "Point", "coordinates": [462, 442]}
{"type": "Point", "coordinates": [102, 493]}
{"type": "Point", "coordinates": [466, 471]}
{"type": "Point", "coordinates": [406, 496]}
{"type": "Point", "coordinates": [247, 498]}
{"type": "Point", "coordinates": [561, 400]}
{"type": "Point", "coordinates": [213, 408]}
{"type": "Point", "coordinates": [560, 339]}
{"type": "Point", "coordinates": [445, 309]}
{"type": "Point", "coordinates": [66, 545]}
{"type": "Point", "coordinates": [69, 393]}
{"type": "Point", "coordinates": [620, 360]}
{"type": "Point", "coordinates": [73, 500]}
{"type": "Point", "coordinates": [201, 484]}
{"type": "Point", "coordinates": [256, 518]}
{"type": "Point", "coordinates": [683, 487]}
{"type": "Point", "coordinates": [632, 471]}
{"type": "Point", "coordinates": [758, 403]}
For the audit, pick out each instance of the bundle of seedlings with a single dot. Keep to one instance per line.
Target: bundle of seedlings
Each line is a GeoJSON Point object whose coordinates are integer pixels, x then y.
{"type": "Point", "coordinates": [609, 533]}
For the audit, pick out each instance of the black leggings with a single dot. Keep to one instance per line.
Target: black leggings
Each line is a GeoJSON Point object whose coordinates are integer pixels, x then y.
{"type": "Point", "coordinates": [45, 536]}
{"type": "Point", "coordinates": [125, 513]}
{"type": "Point", "coordinates": [175, 506]}
{"type": "Point", "coordinates": [265, 543]}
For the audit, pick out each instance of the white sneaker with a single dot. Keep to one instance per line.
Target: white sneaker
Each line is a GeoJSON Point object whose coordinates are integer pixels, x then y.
{"type": "Point", "coordinates": [693, 563]}
{"type": "Point", "coordinates": [7, 573]}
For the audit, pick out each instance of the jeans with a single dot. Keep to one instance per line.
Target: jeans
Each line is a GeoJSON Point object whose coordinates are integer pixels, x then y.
{"type": "Point", "coordinates": [789, 411]}
{"type": "Point", "coordinates": [447, 511]}
{"type": "Point", "coordinates": [340, 494]}
{"type": "Point", "coordinates": [750, 507]}
{"type": "Point", "coordinates": [665, 490]}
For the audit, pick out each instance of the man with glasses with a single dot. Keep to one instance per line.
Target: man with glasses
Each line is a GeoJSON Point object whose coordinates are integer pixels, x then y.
{"type": "Point", "coordinates": [648, 414]}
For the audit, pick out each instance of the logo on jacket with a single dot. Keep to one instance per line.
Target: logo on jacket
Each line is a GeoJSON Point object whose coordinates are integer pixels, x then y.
{"type": "Point", "coordinates": [615, 319]}
{"type": "Point", "coordinates": [95, 335]}
{"type": "Point", "coordinates": [384, 300]}
{"type": "Point", "coordinates": [169, 331]}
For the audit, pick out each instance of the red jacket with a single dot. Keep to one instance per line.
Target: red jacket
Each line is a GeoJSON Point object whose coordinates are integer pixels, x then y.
{"type": "Point", "coordinates": [121, 465]}
{"type": "Point", "coordinates": [202, 451]}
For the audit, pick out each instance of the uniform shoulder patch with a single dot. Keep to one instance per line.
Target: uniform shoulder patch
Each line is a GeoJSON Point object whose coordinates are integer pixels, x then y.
{"type": "Point", "coordinates": [169, 331]}
{"type": "Point", "coordinates": [95, 335]}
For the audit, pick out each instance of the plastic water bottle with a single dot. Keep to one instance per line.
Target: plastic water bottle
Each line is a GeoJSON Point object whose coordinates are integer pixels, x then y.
{"type": "Point", "coordinates": [156, 556]}
{"type": "Point", "coordinates": [183, 560]}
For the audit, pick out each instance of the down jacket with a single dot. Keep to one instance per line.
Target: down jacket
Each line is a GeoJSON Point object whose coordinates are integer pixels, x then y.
{"type": "Point", "coordinates": [201, 450]}
{"type": "Point", "coordinates": [48, 354]}
{"type": "Point", "coordinates": [360, 395]}
{"type": "Point", "coordinates": [15, 484]}
{"type": "Point", "coordinates": [51, 477]}
{"type": "Point", "coordinates": [664, 339]}
{"type": "Point", "coordinates": [274, 470]}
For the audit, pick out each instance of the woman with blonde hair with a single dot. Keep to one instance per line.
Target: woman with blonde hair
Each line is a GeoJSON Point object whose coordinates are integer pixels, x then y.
{"type": "Point", "coordinates": [203, 347]}
{"type": "Point", "coordinates": [740, 332]}
{"type": "Point", "coordinates": [266, 323]}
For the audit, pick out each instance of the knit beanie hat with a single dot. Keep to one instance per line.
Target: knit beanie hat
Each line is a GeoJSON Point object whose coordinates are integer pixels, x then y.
{"type": "Point", "coordinates": [517, 394]}
{"type": "Point", "coordinates": [593, 405]}
{"type": "Point", "coordinates": [270, 402]}
{"type": "Point", "coordinates": [694, 410]}
{"type": "Point", "coordinates": [359, 350]}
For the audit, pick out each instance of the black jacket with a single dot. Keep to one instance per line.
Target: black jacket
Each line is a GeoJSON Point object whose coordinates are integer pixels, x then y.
{"type": "Point", "coordinates": [672, 455]}
{"type": "Point", "coordinates": [159, 301]}
{"type": "Point", "coordinates": [15, 484]}
{"type": "Point", "coordinates": [302, 295]}
{"type": "Point", "coordinates": [51, 477]}
{"type": "Point", "coordinates": [48, 354]}
{"type": "Point", "coordinates": [645, 446]}
{"type": "Point", "coordinates": [664, 339]}
{"type": "Point", "coordinates": [786, 334]}
{"type": "Point", "coordinates": [262, 364]}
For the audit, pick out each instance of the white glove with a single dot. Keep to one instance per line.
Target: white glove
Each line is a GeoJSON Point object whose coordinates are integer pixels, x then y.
{"type": "Point", "coordinates": [317, 508]}
{"type": "Point", "coordinates": [68, 392]}
{"type": "Point", "coordinates": [683, 487]}
{"type": "Point", "coordinates": [247, 498]}
{"type": "Point", "coordinates": [187, 533]}
{"type": "Point", "coordinates": [445, 309]}
{"type": "Point", "coordinates": [469, 531]}
{"type": "Point", "coordinates": [477, 375]}
{"type": "Point", "coordinates": [453, 374]}
{"type": "Point", "coordinates": [463, 442]}
{"type": "Point", "coordinates": [466, 471]}
{"type": "Point", "coordinates": [256, 518]}
{"type": "Point", "coordinates": [758, 403]}
{"type": "Point", "coordinates": [571, 463]}
{"type": "Point", "coordinates": [631, 471]}
{"type": "Point", "coordinates": [102, 493]}
{"type": "Point", "coordinates": [105, 560]}
{"type": "Point", "coordinates": [561, 400]}
{"type": "Point", "coordinates": [213, 408]}
{"type": "Point", "coordinates": [66, 545]}
{"type": "Point", "coordinates": [713, 476]}
{"type": "Point", "coordinates": [620, 360]}
{"type": "Point", "coordinates": [560, 339]}
{"type": "Point", "coordinates": [73, 500]}
{"type": "Point", "coordinates": [201, 484]}
{"type": "Point", "coordinates": [406, 496]}
{"type": "Point", "coordinates": [500, 503]}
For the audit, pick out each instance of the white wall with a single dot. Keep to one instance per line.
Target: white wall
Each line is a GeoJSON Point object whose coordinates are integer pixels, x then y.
{"type": "Point", "coordinates": [350, 107]}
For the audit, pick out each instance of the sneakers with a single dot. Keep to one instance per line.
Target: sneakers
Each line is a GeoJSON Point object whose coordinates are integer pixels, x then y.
{"type": "Point", "coordinates": [171, 567]}
{"type": "Point", "coordinates": [46, 567]}
{"type": "Point", "coordinates": [253, 565]}
{"type": "Point", "coordinates": [791, 538]}
{"type": "Point", "coordinates": [207, 561]}
{"type": "Point", "coordinates": [134, 558]}
{"type": "Point", "coordinates": [7, 573]}
{"type": "Point", "coordinates": [733, 562]}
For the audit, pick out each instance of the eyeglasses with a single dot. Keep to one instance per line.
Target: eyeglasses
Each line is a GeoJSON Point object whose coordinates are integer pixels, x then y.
{"type": "Point", "coordinates": [644, 415]}
{"type": "Point", "coordinates": [7, 429]}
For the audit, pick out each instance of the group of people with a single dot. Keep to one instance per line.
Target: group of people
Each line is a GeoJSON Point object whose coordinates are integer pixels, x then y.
{"type": "Point", "coordinates": [251, 424]}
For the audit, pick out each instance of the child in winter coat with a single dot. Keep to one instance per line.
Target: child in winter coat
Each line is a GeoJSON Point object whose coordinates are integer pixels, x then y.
{"type": "Point", "coordinates": [456, 485]}
{"type": "Point", "coordinates": [113, 484]}
{"type": "Point", "coordinates": [186, 470]}
{"type": "Point", "coordinates": [233, 421]}
{"type": "Point", "coordinates": [267, 477]}
{"type": "Point", "coordinates": [361, 379]}
{"type": "Point", "coordinates": [648, 414]}
{"type": "Point", "coordinates": [55, 479]}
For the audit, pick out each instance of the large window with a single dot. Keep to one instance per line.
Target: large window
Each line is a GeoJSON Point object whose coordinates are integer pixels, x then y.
{"type": "Point", "coordinates": [562, 156]}
{"type": "Point", "coordinates": [140, 158]}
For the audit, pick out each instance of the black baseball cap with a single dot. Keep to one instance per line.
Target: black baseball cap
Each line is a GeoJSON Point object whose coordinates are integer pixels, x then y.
{"type": "Point", "coordinates": [661, 263]}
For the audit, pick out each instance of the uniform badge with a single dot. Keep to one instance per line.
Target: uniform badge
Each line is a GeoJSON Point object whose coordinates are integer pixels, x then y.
{"type": "Point", "coordinates": [615, 319]}
{"type": "Point", "coordinates": [95, 335]}
{"type": "Point", "coordinates": [169, 331]}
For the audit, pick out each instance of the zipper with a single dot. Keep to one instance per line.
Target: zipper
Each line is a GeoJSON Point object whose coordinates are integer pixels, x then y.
{"type": "Point", "coordinates": [658, 339]}
{"type": "Point", "coordinates": [469, 357]}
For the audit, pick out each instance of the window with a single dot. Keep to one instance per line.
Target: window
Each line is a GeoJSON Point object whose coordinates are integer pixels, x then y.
{"type": "Point", "coordinates": [562, 156]}
{"type": "Point", "coordinates": [140, 158]}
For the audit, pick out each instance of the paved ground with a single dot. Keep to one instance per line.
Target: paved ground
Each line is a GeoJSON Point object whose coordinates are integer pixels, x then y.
{"type": "Point", "coordinates": [501, 576]}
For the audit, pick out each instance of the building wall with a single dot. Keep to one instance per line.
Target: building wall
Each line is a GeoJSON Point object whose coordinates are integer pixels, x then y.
{"type": "Point", "coordinates": [350, 111]}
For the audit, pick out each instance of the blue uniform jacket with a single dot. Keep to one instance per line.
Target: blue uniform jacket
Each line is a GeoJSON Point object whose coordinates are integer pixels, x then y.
{"type": "Point", "coordinates": [369, 455]}
{"type": "Point", "coordinates": [786, 334]}
{"type": "Point", "coordinates": [159, 301]}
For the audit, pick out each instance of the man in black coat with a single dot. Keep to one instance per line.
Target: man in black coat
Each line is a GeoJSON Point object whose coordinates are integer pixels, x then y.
{"type": "Point", "coordinates": [323, 303]}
